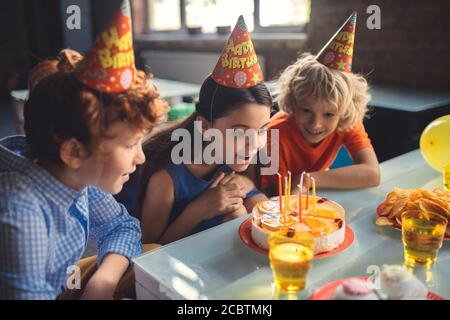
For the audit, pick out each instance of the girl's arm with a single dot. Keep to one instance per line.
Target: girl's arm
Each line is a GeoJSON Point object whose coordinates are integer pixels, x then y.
{"type": "Point", "coordinates": [218, 199]}
{"type": "Point", "coordinates": [156, 207]}
{"type": "Point", "coordinates": [245, 181]}
{"type": "Point", "coordinates": [183, 225]}
{"type": "Point", "coordinates": [251, 173]}
{"type": "Point", "coordinates": [363, 174]}
{"type": "Point", "coordinates": [247, 185]}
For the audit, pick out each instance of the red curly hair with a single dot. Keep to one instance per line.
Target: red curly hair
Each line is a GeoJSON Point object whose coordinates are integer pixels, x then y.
{"type": "Point", "coordinates": [60, 107]}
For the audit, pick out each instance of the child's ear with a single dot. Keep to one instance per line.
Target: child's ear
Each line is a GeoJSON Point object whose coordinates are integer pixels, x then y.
{"type": "Point", "coordinates": [205, 123]}
{"type": "Point", "coordinates": [72, 152]}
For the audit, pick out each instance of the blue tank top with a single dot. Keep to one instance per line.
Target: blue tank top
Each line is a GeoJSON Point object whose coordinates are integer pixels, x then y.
{"type": "Point", "coordinates": [188, 186]}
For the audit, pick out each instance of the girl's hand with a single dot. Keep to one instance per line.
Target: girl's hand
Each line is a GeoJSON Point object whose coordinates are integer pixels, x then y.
{"type": "Point", "coordinates": [242, 211]}
{"type": "Point", "coordinates": [244, 182]}
{"type": "Point", "coordinates": [219, 199]}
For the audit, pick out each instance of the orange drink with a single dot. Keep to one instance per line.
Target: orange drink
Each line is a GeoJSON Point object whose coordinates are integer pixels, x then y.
{"type": "Point", "coordinates": [422, 233]}
{"type": "Point", "coordinates": [291, 254]}
{"type": "Point", "coordinates": [446, 177]}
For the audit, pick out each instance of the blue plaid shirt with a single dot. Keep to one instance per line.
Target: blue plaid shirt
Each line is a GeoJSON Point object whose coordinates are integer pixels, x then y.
{"type": "Point", "coordinates": [44, 226]}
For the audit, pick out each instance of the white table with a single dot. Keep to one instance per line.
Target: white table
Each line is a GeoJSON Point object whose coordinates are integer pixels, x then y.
{"type": "Point", "coordinates": [167, 88]}
{"type": "Point", "coordinates": [397, 98]}
{"type": "Point", "coordinates": [409, 100]}
{"type": "Point", "coordinates": [170, 89]}
{"type": "Point", "coordinates": [215, 264]}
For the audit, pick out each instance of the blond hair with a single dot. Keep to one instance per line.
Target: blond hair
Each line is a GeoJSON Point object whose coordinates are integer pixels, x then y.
{"type": "Point", "coordinates": [308, 80]}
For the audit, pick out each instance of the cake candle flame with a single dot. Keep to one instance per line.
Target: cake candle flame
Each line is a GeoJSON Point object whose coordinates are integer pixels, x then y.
{"type": "Point", "coordinates": [301, 178]}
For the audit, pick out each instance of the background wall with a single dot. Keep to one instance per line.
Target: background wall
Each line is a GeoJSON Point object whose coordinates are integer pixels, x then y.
{"type": "Point", "coordinates": [412, 48]}
{"type": "Point", "coordinates": [278, 53]}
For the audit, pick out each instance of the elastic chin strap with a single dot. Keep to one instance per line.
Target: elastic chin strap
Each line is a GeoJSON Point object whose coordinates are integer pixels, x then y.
{"type": "Point", "coordinates": [212, 104]}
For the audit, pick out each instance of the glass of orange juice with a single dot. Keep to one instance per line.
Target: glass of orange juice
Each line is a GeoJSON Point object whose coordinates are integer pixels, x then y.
{"type": "Point", "coordinates": [290, 254]}
{"type": "Point", "coordinates": [423, 233]}
{"type": "Point", "coordinates": [446, 177]}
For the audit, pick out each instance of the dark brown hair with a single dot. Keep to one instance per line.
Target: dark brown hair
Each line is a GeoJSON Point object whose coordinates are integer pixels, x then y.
{"type": "Point", "coordinates": [60, 107]}
{"type": "Point", "coordinates": [215, 101]}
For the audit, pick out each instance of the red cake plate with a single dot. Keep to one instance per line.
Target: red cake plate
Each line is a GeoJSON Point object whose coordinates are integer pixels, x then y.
{"type": "Point", "coordinates": [326, 292]}
{"type": "Point", "coordinates": [395, 226]}
{"type": "Point", "coordinates": [246, 237]}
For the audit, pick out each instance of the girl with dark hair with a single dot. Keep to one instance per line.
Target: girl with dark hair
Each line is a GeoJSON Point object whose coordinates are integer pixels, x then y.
{"type": "Point", "coordinates": [178, 199]}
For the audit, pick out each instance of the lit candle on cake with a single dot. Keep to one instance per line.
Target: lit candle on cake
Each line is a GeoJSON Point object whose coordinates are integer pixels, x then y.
{"type": "Point", "coordinates": [300, 202]}
{"type": "Point", "coordinates": [301, 180]}
{"type": "Point", "coordinates": [308, 180]}
{"type": "Point", "coordinates": [285, 198]}
{"type": "Point", "coordinates": [280, 192]}
{"type": "Point", "coordinates": [314, 194]}
{"type": "Point", "coordinates": [289, 190]}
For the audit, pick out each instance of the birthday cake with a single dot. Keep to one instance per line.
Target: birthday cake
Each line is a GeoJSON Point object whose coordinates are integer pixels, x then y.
{"type": "Point", "coordinates": [326, 222]}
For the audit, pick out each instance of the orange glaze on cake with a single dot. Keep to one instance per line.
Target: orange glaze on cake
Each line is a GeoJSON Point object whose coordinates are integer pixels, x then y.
{"type": "Point", "coordinates": [328, 218]}
{"type": "Point", "coordinates": [271, 223]}
{"type": "Point", "coordinates": [320, 222]}
{"type": "Point", "coordinates": [320, 226]}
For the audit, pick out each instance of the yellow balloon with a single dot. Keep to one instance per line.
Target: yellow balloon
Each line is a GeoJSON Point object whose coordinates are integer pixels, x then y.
{"type": "Point", "coordinates": [435, 143]}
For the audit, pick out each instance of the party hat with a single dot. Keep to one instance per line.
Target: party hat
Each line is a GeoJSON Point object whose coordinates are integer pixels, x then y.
{"type": "Point", "coordinates": [238, 66]}
{"type": "Point", "coordinates": [109, 64]}
{"type": "Point", "coordinates": [338, 52]}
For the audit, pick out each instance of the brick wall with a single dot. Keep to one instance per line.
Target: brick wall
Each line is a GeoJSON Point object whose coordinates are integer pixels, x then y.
{"type": "Point", "coordinates": [412, 48]}
{"type": "Point", "coordinates": [139, 11]}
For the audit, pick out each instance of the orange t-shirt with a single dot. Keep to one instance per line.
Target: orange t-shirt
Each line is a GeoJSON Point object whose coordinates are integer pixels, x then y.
{"type": "Point", "coordinates": [297, 156]}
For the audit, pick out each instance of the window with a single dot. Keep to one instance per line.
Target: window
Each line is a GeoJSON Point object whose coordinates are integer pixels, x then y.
{"type": "Point", "coordinates": [283, 12]}
{"type": "Point", "coordinates": [260, 15]}
{"type": "Point", "coordinates": [209, 14]}
{"type": "Point", "coordinates": [164, 15]}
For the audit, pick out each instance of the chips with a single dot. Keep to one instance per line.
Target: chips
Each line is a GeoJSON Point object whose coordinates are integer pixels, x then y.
{"type": "Point", "coordinates": [400, 200]}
